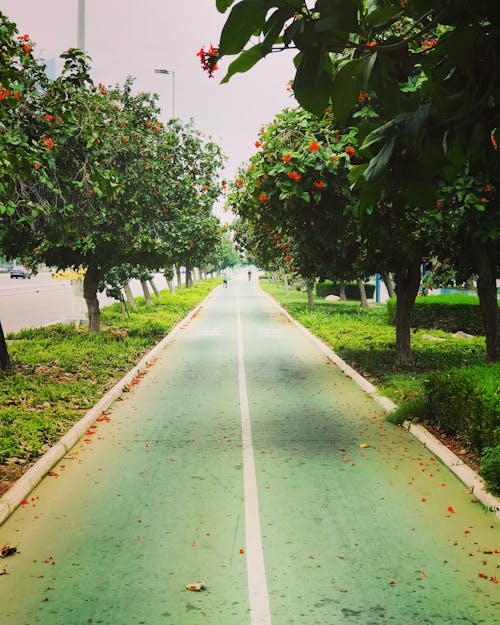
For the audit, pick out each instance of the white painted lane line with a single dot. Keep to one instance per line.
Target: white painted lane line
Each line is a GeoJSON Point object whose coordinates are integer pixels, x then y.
{"type": "Point", "coordinates": [258, 596]}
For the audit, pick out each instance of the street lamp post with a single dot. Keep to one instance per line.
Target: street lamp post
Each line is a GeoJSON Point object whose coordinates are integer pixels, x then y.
{"type": "Point", "coordinates": [81, 25]}
{"type": "Point", "coordinates": [172, 73]}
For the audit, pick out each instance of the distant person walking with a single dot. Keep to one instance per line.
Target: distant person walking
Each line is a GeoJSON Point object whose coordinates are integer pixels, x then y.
{"type": "Point", "coordinates": [224, 281]}
{"type": "Point", "coordinates": [249, 275]}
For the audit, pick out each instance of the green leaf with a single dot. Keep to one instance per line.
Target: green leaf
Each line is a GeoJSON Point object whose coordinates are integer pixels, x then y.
{"type": "Point", "coordinates": [339, 16]}
{"type": "Point", "coordinates": [312, 84]}
{"type": "Point", "coordinates": [346, 88]}
{"type": "Point", "coordinates": [378, 163]}
{"type": "Point", "coordinates": [223, 5]}
{"type": "Point", "coordinates": [384, 17]}
{"type": "Point", "coordinates": [244, 62]}
{"type": "Point", "coordinates": [272, 29]}
{"type": "Point", "coordinates": [245, 19]}
{"type": "Point", "coordinates": [357, 172]}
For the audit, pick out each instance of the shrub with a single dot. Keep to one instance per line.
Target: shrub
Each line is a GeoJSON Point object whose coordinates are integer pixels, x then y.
{"type": "Point", "coordinates": [450, 313]}
{"type": "Point", "coordinates": [351, 289]}
{"type": "Point", "coordinates": [414, 409]}
{"type": "Point", "coordinates": [490, 468]}
{"type": "Point", "coordinates": [465, 401]}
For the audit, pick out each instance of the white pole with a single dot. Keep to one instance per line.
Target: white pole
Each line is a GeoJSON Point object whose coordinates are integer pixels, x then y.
{"type": "Point", "coordinates": [81, 25]}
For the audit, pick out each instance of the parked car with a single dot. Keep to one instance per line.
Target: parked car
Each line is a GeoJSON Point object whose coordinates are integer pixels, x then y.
{"type": "Point", "coordinates": [18, 271]}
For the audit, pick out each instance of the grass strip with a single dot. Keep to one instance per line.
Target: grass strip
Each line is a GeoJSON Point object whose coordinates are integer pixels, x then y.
{"type": "Point", "coordinates": [59, 372]}
{"type": "Point", "coordinates": [365, 340]}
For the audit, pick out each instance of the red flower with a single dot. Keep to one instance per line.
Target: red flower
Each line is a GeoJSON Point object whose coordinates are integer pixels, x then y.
{"type": "Point", "coordinates": [209, 60]}
{"type": "Point", "coordinates": [450, 509]}
{"type": "Point", "coordinates": [190, 244]}
{"type": "Point", "coordinates": [488, 188]}
{"type": "Point", "coordinates": [313, 147]}
{"type": "Point", "coordinates": [287, 158]}
{"type": "Point", "coordinates": [48, 118]}
{"type": "Point", "coordinates": [17, 95]}
{"type": "Point", "coordinates": [370, 44]}
{"type": "Point", "coordinates": [258, 144]}
{"type": "Point", "coordinates": [263, 197]}
{"type": "Point", "coordinates": [493, 141]}
{"type": "Point", "coordinates": [319, 185]}
{"type": "Point", "coordinates": [48, 143]}
{"type": "Point", "coordinates": [27, 48]}
{"type": "Point", "coordinates": [439, 204]}
{"type": "Point", "coordinates": [239, 182]}
{"type": "Point", "coordinates": [37, 165]}
{"type": "Point", "coordinates": [350, 151]}
{"type": "Point", "coordinates": [125, 139]}
{"type": "Point", "coordinates": [293, 175]}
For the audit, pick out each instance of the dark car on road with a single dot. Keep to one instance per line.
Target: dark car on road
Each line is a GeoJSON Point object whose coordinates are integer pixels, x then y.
{"type": "Point", "coordinates": [18, 271]}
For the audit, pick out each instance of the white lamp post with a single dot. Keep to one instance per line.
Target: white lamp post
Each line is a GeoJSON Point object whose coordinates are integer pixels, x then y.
{"type": "Point", "coordinates": [172, 73]}
{"type": "Point", "coordinates": [81, 25]}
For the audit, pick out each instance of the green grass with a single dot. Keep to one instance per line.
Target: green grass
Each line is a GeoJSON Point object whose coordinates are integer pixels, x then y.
{"type": "Point", "coordinates": [60, 372]}
{"type": "Point", "coordinates": [363, 338]}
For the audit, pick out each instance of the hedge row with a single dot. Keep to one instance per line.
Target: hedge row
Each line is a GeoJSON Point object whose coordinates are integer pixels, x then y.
{"type": "Point", "coordinates": [466, 402]}
{"type": "Point", "coordinates": [351, 289]}
{"type": "Point", "coordinates": [450, 313]}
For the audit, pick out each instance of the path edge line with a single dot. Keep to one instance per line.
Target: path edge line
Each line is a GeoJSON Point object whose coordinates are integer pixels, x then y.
{"type": "Point", "coordinates": [20, 490]}
{"type": "Point", "coordinates": [456, 465]}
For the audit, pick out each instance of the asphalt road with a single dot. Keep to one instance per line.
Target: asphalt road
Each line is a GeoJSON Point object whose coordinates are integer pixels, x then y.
{"type": "Point", "coordinates": [43, 300]}
{"type": "Point", "coordinates": [246, 460]}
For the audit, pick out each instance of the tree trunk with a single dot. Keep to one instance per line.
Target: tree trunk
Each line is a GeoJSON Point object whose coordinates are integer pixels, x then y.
{"type": "Point", "coordinates": [342, 294]}
{"type": "Point", "coordinates": [287, 285]}
{"type": "Point", "coordinates": [90, 283]}
{"type": "Point", "coordinates": [469, 283]}
{"type": "Point", "coordinates": [179, 277]}
{"type": "Point", "coordinates": [130, 298]}
{"type": "Point", "coordinates": [171, 286]}
{"type": "Point", "coordinates": [147, 296]}
{"type": "Point", "coordinates": [362, 292]}
{"type": "Point", "coordinates": [310, 295]}
{"type": "Point", "coordinates": [4, 353]}
{"type": "Point", "coordinates": [387, 278]}
{"type": "Point", "coordinates": [189, 278]}
{"type": "Point", "coordinates": [407, 283]}
{"type": "Point", "coordinates": [153, 286]}
{"type": "Point", "coordinates": [487, 291]}
{"type": "Point", "coordinates": [285, 282]}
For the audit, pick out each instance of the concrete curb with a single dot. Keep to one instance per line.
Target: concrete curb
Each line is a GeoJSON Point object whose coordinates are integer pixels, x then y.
{"type": "Point", "coordinates": [27, 482]}
{"type": "Point", "coordinates": [457, 466]}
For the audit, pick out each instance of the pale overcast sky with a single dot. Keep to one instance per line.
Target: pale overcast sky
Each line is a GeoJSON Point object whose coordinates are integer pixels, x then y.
{"type": "Point", "coordinates": [136, 36]}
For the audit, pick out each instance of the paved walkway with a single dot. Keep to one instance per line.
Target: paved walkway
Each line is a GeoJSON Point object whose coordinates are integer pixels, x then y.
{"type": "Point", "coordinates": [236, 462]}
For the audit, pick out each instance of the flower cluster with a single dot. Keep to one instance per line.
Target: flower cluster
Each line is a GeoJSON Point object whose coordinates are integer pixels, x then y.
{"type": "Point", "coordinates": [293, 175]}
{"type": "Point", "coordinates": [427, 44]}
{"type": "Point", "coordinates": [209, 59]}
{"type": "Point", "coordinates": [313, 147]}
{"type": "Point", "coordinates": [4, 93]}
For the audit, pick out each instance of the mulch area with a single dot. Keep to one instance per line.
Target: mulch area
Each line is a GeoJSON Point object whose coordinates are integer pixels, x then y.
{"type": "Point", "coordinates": [457, 446]}
{"type": "Point", "coordinates": [9, 474]}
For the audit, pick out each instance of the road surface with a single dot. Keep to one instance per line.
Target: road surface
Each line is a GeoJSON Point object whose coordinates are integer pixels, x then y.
{"type": "Point", "coordinates": [43, 300]}
{"type": "Point", "coordinates": [237, 462]}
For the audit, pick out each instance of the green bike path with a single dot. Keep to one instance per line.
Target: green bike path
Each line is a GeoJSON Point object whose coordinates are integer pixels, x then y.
{"type": "Point", "coordinates": [236, 462]}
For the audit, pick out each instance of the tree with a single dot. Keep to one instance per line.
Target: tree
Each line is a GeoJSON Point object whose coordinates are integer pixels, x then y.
{"type": "Point", "coordinates": [21, 76]}
{"type": "Point", "coordinates": [434, 67]}
{"type": "Point", "coordinates": [103, 182]}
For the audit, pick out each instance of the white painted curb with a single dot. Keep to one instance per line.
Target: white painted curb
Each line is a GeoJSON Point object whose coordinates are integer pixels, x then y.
{"type": "Point", "coordinates": [464, 473]}
{"type": "Point", "coordinates": [27, 482]}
